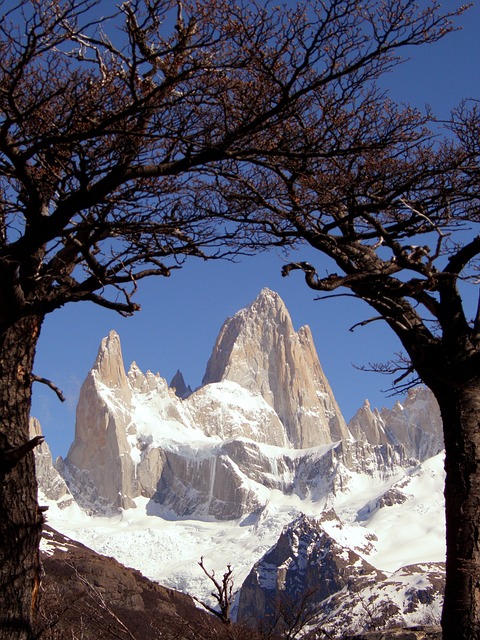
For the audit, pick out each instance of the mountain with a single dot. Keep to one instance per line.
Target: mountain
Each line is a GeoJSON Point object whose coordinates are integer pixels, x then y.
{"type": "Point", "coordinates": [159, 475]}
{"type": "Point", "coordinates": [207, 453]}
{"type": "Point", "coordinates": [259, 350]}
{"type": "Point", "coordinates": [91, 596]}
{"type": "Point", "coordinates": [307, 579]}
{"type": "Point", "coordinates": [416, 423]}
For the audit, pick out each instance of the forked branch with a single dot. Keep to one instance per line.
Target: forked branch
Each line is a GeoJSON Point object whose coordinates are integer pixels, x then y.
{"type": "Point", "coordinates": [222, 593]}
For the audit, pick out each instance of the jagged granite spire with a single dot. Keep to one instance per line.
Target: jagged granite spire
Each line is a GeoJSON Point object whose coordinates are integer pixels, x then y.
{"type": "Point", "coordinates": [178, 384]}
{"type": "Point", "coordinates": [416, 423]}
{"type": "Point", "coordinates": [109, 368]}
{"type": "Point", "coordinates": [259, 349]}
{"type": "Point", "coordinates": [101, 430]}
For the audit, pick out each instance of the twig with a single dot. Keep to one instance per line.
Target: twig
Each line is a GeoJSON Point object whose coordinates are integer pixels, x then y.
{"type": "Point", "coordinates": [363, 323]}
{"type": "Point", "coordinates": [50, 384]}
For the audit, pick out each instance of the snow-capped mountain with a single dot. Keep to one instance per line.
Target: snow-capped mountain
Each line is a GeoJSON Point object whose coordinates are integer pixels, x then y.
{"type": "Point", "coordinates": [219, 472]}
{"type": "Point", "coordinates": [310, 579]}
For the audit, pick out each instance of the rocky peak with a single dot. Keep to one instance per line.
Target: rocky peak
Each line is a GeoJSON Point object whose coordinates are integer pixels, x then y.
{"type": "Point", "coordinates": [304, 568]}
{"type": "Point", "coordinates": [416, 423]}
{"type": "Point", "coordinates": [109, 368]}
{"type": "Point", "coordinates": [49, 479]}
{"type": "Point", "coordinates": [101, 425]}
{"type": "Point", "coordinates": [309, 577]}
{"type": "Point", "coordinates": [261, 324]}
{"type": "Point", "coordinates": [259, 349]}
{"type": "Point", "coordinates": [178, 384]}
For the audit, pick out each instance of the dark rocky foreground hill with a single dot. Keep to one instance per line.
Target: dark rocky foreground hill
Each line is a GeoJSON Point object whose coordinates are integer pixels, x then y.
{"type": "Point", "coordinates": [91, 597]}
{"type": "Point", "coordinates": [417, 633]}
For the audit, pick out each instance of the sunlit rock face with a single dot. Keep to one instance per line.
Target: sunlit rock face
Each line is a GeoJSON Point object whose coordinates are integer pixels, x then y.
{"type": "Point", "coordinates": [259, 349]}
{"type": "Point", "coordinates": [52, 484]}
{"type": "Point", "coordinates": [264, 419]}
{"type": "Point", "coordinates": [101, 448]}
{"type": "Point", "coordinates": [416, 423]}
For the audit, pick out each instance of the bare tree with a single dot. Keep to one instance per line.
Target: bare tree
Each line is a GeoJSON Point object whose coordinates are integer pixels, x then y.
{"type": "Point", "coordinates": [222, 593]}
{"type": "Point", "coordinates": [290, 618]}
{"type": "Point", "coordinates": [398, 227]}
{"type": "Point", "coordinates": [120, 127]}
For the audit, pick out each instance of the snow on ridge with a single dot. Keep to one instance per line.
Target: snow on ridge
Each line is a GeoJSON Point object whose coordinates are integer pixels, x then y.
{"type": "Point", "coordinates": [167, 548]}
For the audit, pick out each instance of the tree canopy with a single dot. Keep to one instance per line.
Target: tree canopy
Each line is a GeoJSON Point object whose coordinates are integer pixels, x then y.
{"type": "Point", "coordinates": [121, 127]}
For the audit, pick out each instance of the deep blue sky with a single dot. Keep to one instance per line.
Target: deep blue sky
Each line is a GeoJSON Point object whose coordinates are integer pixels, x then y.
{"type": "Point", "coordinates": [181, 316]}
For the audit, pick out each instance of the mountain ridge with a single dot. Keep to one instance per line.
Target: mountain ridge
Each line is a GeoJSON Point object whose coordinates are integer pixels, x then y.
{"type": "Point", "coordinates": [260, 444]}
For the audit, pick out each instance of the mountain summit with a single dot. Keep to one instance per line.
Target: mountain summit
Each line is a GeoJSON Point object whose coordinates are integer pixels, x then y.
{"type": "Point", "coordinates": [259, 349]}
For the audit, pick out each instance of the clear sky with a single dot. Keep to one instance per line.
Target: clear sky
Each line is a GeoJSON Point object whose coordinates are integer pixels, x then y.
{"type": "Point", "coordinates": [182, 315]}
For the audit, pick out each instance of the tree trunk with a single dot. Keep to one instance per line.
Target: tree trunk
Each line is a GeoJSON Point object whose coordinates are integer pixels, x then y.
{"type": "Point", "coordinates": [461, 419]}
{"type": "Point", "coordinates": [20, 518]}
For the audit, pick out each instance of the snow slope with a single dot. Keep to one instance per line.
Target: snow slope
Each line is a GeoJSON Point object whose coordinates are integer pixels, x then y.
{"type": "Point", "coordinates": [166, 548]}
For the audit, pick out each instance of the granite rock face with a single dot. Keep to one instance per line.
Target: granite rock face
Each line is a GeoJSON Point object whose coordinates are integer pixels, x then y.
{"type": "Point", "coordinates": [416, 423]}
{"type": "Point", "coordinates": [49, 479]}
{"type": "Point", "coordinates": [304, 568]}
{"type": "Point", "coordinates": [259, 349]}
{"type": "Point", "coordinates": [310, 580]}
{"type": "Point", "coordinates": [101, 449]}
{"type": "Point", "coordinates": [265, 418]}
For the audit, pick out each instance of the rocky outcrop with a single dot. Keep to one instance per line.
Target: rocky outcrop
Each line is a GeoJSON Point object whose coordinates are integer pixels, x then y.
{"type": "Point", "coordinates": [309, 580]}
{"type": "Point", "coordinates": [412, 633]}
{"type": "Point", "coordinates": [233, 479]}
{"type": "Point", "coordinates": [259, 349]}
{"type": "Point", "coordinates": [49, 479]}
{"type": "Point", "coordinates": [303, 569]}
{"type": "Point", "coordinates": [416, 423]}
{"type": "Point", "coordinates": [178, 384]}
{"type": "Point", "coordinates": [101, 447]}
{"type": "Point", "coordinates": [205, 486]}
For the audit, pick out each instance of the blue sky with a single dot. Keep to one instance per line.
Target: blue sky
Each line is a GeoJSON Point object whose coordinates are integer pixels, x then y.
{"type": "Point", "coordinates": [182, 315]}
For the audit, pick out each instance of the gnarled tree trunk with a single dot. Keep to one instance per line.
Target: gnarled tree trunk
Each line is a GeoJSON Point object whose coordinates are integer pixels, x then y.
{"type": "Point", "coordinates": [20, 518]}
{"type": "Point", "coordinates": [461, 419]}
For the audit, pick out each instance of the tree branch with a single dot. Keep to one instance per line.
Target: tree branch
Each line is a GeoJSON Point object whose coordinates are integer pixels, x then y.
{"type": "Point", "coordinates": [363, 323]}
{"type": "Point", "coordinates": [462, 257]}
{"type": "Point", "coordinates": [50, 384]}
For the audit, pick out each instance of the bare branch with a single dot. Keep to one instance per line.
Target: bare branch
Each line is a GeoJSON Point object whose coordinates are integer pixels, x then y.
{"type": "Point", "coordinates": [50, 384]}
{"type": "Point", "coordinates": [363, 323]}
{"type": "Point", "coordinates": [11, 457]}
{"type": "Point", "coordinates": [223, 593]}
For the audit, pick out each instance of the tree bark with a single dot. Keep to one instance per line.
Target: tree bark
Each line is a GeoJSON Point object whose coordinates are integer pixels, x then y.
{"type": "Point", "coordinates": [20, 518]}
{"type": "Point", "coordinates": [461, 420]}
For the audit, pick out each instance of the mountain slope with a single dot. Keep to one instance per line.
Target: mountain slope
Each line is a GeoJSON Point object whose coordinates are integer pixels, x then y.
{"type": "Point", "coordinates": [89, 596]}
